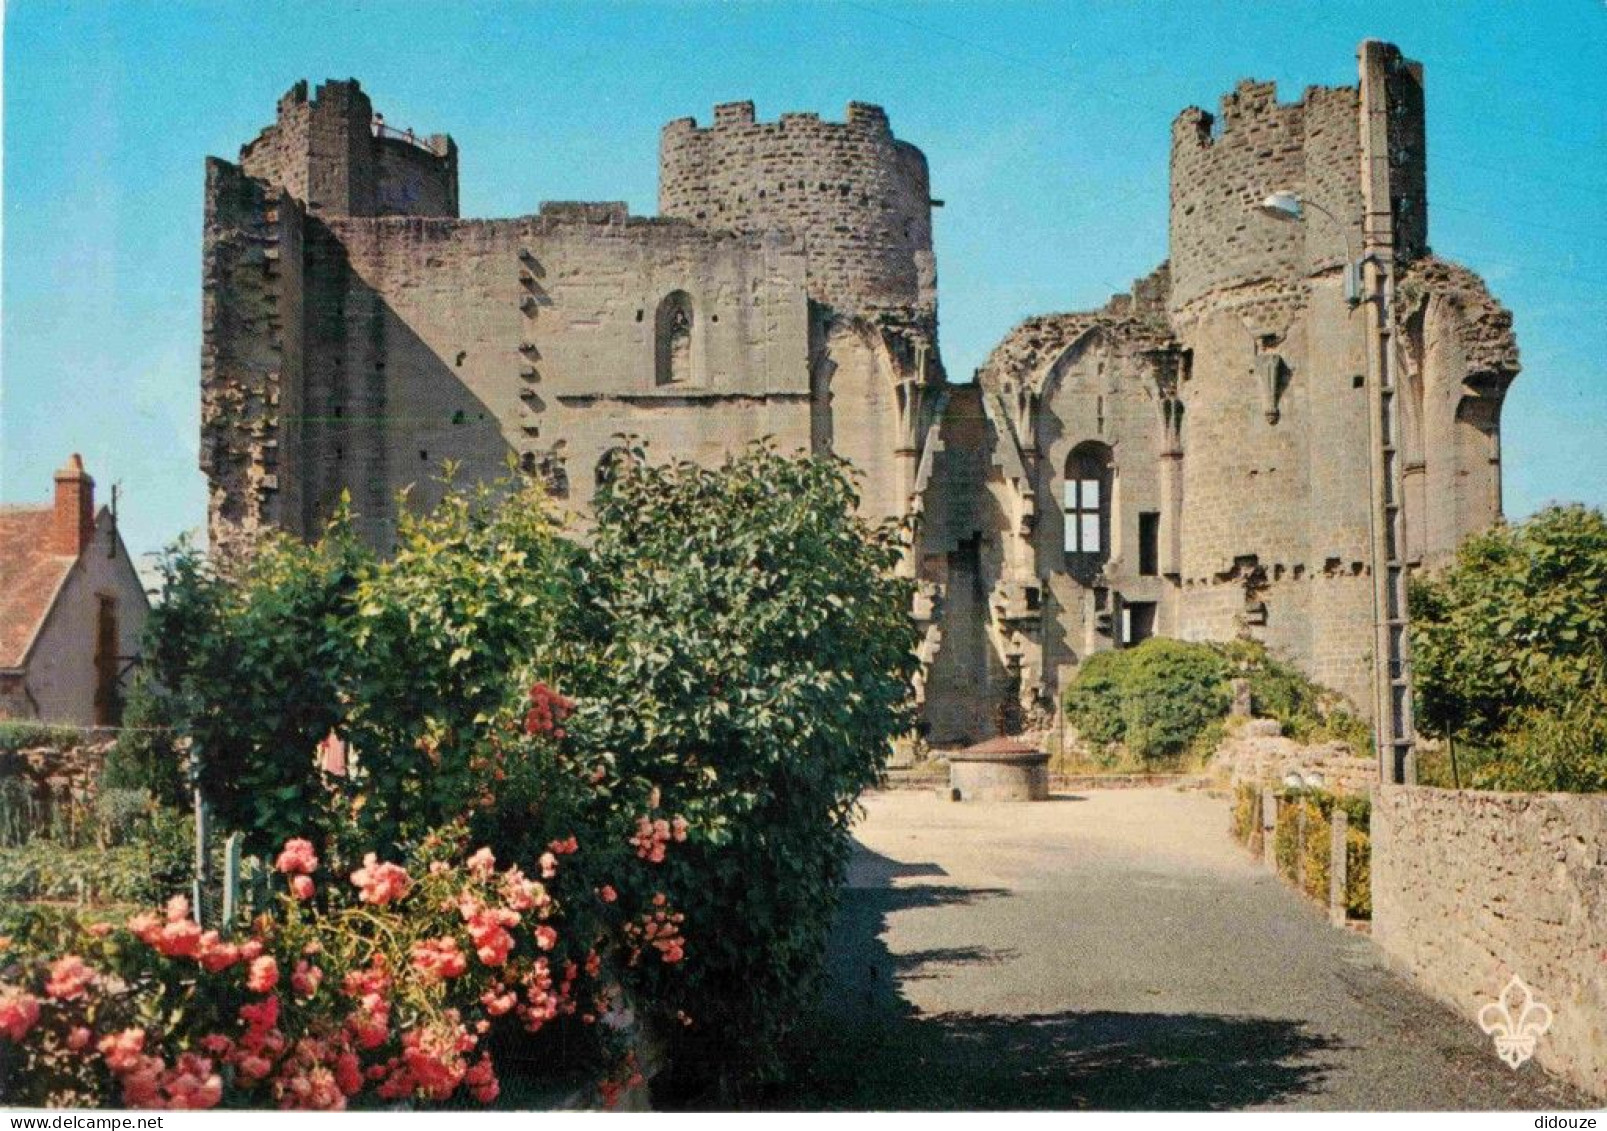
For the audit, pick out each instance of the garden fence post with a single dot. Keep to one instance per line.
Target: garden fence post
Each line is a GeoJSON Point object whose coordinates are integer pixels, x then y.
{"type": "Point", "coordinates": [1269, 828]}
{"type": "Point", "coordinates": [231, 881]}
{"type": "Point", "coordinates": [1300, 845]}
{"type": "Point", "coordinates": [1338, 865]}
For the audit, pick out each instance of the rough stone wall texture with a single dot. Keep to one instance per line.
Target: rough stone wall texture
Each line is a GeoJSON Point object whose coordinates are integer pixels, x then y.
{"type": "Point", "coordinates": [1258, 753]}
{"type": "Point", "coordinates": [247, 384]}
{"type": "Point", "coordinates": [474, 341]}
{"type": "Point", "coordinates": [326, 154]}
{"type": "Point", "coordinates": [1472, 888]}
{"type": "Point", "coordinates": [858, 197]}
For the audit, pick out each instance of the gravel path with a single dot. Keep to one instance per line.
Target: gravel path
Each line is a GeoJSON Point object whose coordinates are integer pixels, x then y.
{"type": "Point", "coordinates": [1115, 949]}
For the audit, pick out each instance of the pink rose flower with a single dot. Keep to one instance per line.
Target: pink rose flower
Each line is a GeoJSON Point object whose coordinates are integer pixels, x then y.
{"type": "Point", "coordinates": [298, 857]}
{"type": "Point", "coordinates": [263, 975]}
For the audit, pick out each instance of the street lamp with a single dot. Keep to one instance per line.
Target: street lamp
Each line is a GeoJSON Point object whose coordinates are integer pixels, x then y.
{"type": "Point", "coordinates": [1392, 685]}
{"type": "Point", "coordinates": [1290, 207]}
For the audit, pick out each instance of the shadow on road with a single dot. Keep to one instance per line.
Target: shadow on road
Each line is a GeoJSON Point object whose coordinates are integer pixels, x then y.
{"type": "Point", "coordinates": [865, 1047]}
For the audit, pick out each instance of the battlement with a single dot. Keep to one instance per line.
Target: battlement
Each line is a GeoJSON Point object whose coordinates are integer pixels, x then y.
{"type": "Point", "coordinates": [337, 156]}
{"type": "Point", "coordinates": [741, 115]}
{"type": "Point", "coordinates": [860, 198]}
{"type": "Point", "coordinates": [1224, 164]}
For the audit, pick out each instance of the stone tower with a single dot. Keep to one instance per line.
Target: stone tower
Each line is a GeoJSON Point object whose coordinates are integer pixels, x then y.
{"type": "Point", "coordinates": [1196, 460]}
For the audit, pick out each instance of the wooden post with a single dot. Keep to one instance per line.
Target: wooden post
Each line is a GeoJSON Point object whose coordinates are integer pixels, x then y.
{"type": "Point", "coordinates": [1300, 845]}
{"type": "Point", "coordinates": [1269, 827]}
{"type": "Point", "coordinates": [1338, 864]}
{"type": "Point", "coordinates": [231, 882]}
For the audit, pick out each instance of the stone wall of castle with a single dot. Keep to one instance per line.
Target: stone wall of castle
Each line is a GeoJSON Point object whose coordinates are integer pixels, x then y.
{"type": "Point", "coordinates": [358, 335]}
{"type": "Point", "coordinates": [858, 197]}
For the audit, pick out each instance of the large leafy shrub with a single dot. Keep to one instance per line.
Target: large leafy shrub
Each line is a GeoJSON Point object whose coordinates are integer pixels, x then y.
{"type": "Point", "coordinates": [748, 651]}
{"type": "Point", "coordinates": [1510, 652]}
{"type": "Point", "coordinates": [1157, 698]}
{"type": "Point", "coordinates": [733, 644]}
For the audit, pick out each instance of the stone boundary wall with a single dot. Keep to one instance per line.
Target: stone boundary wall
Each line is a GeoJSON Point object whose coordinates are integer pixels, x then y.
{"type": "Point", "coordinates": [1471, 888]}
{"type": "Point", "coordinates": [1259, 753]}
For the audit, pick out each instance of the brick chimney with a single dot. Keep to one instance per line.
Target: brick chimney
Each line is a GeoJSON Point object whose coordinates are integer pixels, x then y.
{"type": "Point", "coordinates": [74, 524]}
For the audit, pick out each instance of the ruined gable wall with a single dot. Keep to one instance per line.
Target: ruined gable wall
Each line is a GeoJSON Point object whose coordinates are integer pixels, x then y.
{"type": "Point", "coordinates": [326, 154]}
{"type": "Point", "coordinates": [859, 198]}
{"type": "Point", "coordinates": [535, 338]}
{"type": "Point", "coordinates": [251, 358]}
{"type": "Point", "coordinates": [1275, 471]}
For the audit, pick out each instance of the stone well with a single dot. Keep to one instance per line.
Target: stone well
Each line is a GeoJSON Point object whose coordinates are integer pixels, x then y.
{"type": "Point", "coordinates": [1000, 769]}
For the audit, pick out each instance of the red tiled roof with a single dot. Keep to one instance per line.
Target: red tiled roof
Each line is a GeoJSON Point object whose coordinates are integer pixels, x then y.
{"type": "Point", "coordinates": [30, 577]}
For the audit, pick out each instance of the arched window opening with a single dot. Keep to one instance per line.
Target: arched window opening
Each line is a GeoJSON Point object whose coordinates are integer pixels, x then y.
{"type": "Point", "coordinates": [673, 334]}
{"type": "Point", "coordinates": [1086, 504]}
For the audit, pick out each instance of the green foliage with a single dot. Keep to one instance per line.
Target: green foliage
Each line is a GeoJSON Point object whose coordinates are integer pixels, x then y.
{"type": "Point", "coordinates": [1308, 712]}
{"type": "Point", "coordinates": [737, 648]}
{"type": "Point", "coordinates": [1518, 621]}
{"type": "Point", "coordinates": [1157, 698]}
{"type": "Point", "coordinates": [18, 735]}
{"type": "Point", "coordinates": [1553, 749]}
{"type": "Point", "coordinates": [144, 757]}
{"type": "Point", "coordinates": [407, 659]}
{"type": "Point", "coordinates": [750, 654]}
{"type": "Point", "coordinates": [148, 860]}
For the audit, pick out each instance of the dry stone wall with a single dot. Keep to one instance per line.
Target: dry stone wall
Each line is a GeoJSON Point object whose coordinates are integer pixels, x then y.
{"type": "Point", "coordinates": [1470, 889]}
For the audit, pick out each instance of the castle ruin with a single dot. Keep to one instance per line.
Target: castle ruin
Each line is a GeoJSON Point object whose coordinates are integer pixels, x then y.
{"type": "Point", "coordinates": [1192, 460]}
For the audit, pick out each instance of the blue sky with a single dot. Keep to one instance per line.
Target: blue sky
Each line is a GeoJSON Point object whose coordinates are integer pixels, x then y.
{"type": "Point", "coordinates": [1046, 126]}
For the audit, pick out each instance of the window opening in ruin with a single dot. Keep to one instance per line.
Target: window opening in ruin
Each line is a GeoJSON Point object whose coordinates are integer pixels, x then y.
{"type": "Point", "coordinates": [673, 327]}
{"type": "Point", "coordinates": [1138, 622]}
{"type": "Point", "coordinates": [1087, 507]}
{"type": "Point", "coordinates": [1149, 543]}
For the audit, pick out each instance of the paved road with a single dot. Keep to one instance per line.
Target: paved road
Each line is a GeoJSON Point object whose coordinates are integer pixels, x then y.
{"type": "Point", "coordinates": [1115, 950]}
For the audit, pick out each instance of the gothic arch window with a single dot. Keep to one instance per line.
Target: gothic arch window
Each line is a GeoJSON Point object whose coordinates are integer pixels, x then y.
{"type": "Point", "coordinates": [1087, 505]}
{"type": "Point", "coordinates": [673, 339]}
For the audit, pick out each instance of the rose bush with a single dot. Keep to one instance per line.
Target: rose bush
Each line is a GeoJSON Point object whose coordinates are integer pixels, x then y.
{"type": "Point", "coordinates": [381, 987]}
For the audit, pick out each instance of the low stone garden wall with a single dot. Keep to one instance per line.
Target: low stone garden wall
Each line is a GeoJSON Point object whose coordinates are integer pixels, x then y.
{"type": "Point", "coordinates": [1473, 888]}
{"type": "Point", "coordinates": [1256, 752]}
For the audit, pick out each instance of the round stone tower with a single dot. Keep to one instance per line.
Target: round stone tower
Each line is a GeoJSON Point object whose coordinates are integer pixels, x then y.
{"type": "Point", "coordinates": [860, 198]}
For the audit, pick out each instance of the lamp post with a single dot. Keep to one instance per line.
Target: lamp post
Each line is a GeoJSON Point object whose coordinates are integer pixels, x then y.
{"type": "Point", "coordinates": [1393, 725]}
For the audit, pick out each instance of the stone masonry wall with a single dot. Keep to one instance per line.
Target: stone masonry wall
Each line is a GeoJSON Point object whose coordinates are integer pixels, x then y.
{"type": "Point", "coordinates": [1472, 888]}
{"type": "Point", "coordinates": [250, 356]}
{"type": "Point", "coordinates": [326, 154]}
{"type": "Point", "coordinates": [1258, 752]}
{"type": "Point", "coordinates": [858, 197]}
{"type": "Point", "coordinates": [534, 338]}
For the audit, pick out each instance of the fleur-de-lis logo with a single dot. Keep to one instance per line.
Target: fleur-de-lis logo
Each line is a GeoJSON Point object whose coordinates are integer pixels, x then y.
{"type": "Point", "coordinates": [1517, 1021]}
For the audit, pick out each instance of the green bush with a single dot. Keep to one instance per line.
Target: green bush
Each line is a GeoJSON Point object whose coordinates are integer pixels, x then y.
{"type": "Point", "coordinates": [144, 757]}
{"type": "Point", "coordinates": [739, 654]}
{"type": "Point", "coordinates": [1510, 652]}
{"type": "Point", "coordinates": [18, 735]}
{"type": "Point", "coordinates": [1157, 699]}
{"type": "Point", "coordinates": [152, 861]}
{"type": "Point", "coordinates": [751, 654]}
{"type": "Point", "coordinates": [1307, 711]}
{"type": "Point", "coordinates": [1561, 748]}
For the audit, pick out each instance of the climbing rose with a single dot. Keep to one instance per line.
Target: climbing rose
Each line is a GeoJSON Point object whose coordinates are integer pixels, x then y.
{"type": "Point", "coordinates": [302, 887]}
{"type": "Point", "coordinates": [439, 958]}
{"type": "Point", "coordinates": [482, 863]}
{"type": "Point", "coordinates": [69, 978]}
{"type": "Point", "coordinates": [297, 858]}
{"type": "Point", "coordinates": [264, 975]}
{"type": "Point", "coordinates": [19, 1011]}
